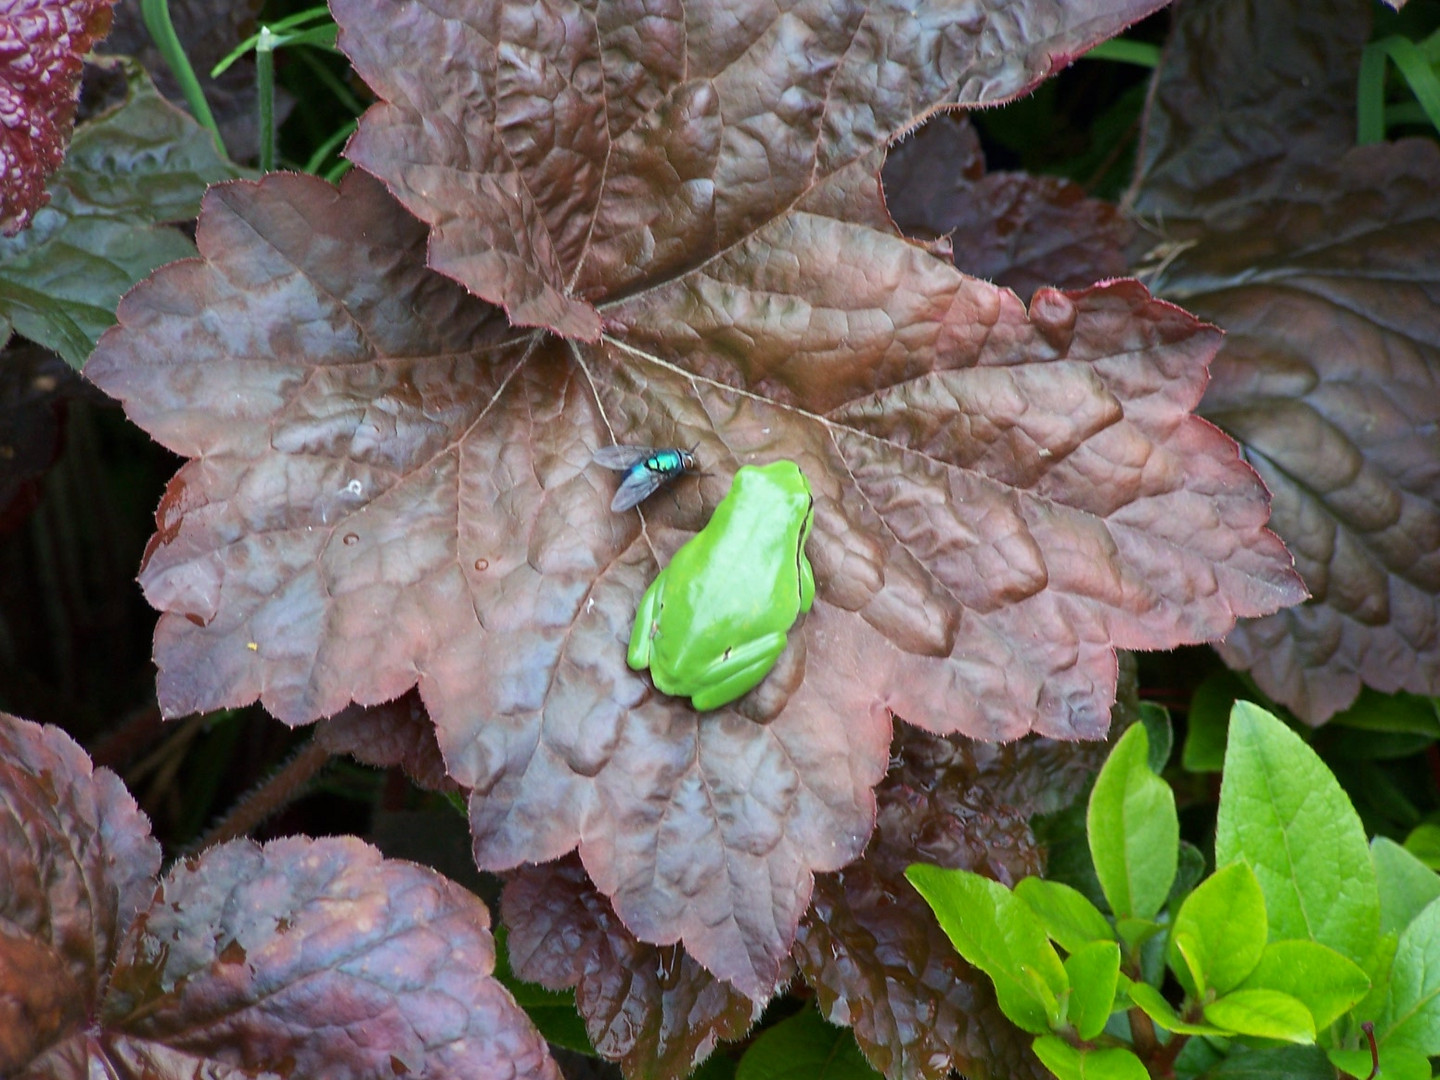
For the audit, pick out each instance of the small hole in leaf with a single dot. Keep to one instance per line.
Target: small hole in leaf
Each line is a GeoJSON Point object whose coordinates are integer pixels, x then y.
{"type": "Point", "coordinates": [349, 538]}
{"type": "Point", "coordinates": [482, 564]}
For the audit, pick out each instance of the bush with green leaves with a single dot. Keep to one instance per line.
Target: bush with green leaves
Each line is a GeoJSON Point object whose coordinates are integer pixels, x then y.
{"type": "Point", "coordinates": [1302, 941]}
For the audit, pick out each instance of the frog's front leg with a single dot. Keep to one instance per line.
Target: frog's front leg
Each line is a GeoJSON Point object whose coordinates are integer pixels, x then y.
{"type": "Point", "coordinates": [643, 631]}
{"type": "Point", "coordinates": [743, 667]}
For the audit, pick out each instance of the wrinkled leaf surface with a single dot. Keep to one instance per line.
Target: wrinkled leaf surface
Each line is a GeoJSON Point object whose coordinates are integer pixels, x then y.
{"type": "Point", "coordinates": [589, 153]}
{"type": "Point", "coordinates": [398, 732]}
{"type": "Point", "coordinates": [78, 863]}
{"type": "Point", "coordinates": [392, 485]}
{"type": "Point", "coordinates": [311, 957]}
{"type": "Point", "coordinates": [1014, 229]}
{"type": "Point", "coordinates": [42, 45]}
{"type": "Point", "coordinates": [653, 1010]}
{"type": "Point", "coordinates": [1317, 258]}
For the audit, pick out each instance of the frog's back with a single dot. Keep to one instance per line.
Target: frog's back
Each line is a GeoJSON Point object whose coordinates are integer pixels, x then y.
{"type": "Point", "coordinates": [747, 575]}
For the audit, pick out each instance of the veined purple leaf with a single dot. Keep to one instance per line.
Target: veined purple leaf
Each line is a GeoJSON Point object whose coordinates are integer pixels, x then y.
{"type": "Point", "coordinates": [392, 486]}
{"type": "Point", "coordinates": [1014, 229]}
{"type": "Point", "coordinates": [312, 957]}
{"type": "Point", "coordinates": [654, 1010]}
{"type": "Point", "coordinates": [78, 863]}
{"type": "Point", "coordinates": [578, 154]}
{"type": "Point", "coordinates": [1316, 257]}
{"type": "Point", "coordinates": [398, 732]}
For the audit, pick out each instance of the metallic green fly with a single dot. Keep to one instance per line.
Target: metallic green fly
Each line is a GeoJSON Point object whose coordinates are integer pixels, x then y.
{"type": "Point", "coordinates": [646, 468]}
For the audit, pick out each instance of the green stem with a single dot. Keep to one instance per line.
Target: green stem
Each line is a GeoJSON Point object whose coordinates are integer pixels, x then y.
{"type": "Point", "coordinates": [328, 147]}
{"type": "Point", "coordinates": [279, 27]}
{"type": "Point", "coordinates": [157, 20]}
{"type": "Point", "coordinates": [1370, 95]}
{"type": "Point", "coordinates": [265, 84]}
{"type": "Point", "coordinates": [331, 81]}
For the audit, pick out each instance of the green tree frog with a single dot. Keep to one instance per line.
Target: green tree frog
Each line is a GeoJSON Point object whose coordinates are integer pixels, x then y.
{"type": "Point", "coordinates": [713, 622]}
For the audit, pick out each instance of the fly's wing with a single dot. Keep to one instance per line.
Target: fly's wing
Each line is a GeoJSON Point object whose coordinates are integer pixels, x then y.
{"type": "Point", "coordinates": [622, 457]}
{"type": "Point", "coordinates": [637, 486]}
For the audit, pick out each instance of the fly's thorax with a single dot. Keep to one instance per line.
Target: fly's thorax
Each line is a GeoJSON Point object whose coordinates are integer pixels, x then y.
{"type": "Point", "coordinates": [667, 461]}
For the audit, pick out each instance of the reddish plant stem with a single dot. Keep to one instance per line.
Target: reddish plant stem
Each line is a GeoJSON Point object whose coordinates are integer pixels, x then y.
{"type": "Point", "coordinates": [134, 734]}
{"type": "Point", "coordinates": [272, 796]}
{"type": "Point", "coordinates": [1159, 1058]}
{"type": "Point", "coordinates": [1142, 1032]}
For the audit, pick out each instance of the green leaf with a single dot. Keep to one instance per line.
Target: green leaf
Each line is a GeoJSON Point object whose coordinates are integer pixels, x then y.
{"type": "Point", "coordinates": [553, 1012]}
{"type": "Point", "coordinates": [1224, 922]}
{"type": "Point", "coordinates": [1187, 963]}
{"type": "Point", "coordinates": [1151, 957]}
{"type": "Point", "coordinates": [1411, 1017]}
{"type": "Point", "coordinates": [716, 1067]}
{"type": "Point", "coordinates": [1135, 932]}
{"type": "Point", "coordinates": [1189, 871]}
{"type": "Point", "coordinates": [1395, 1064]}
{"type": "Point", "coordinates": [1406, 884]}
{"type": "Point", "coordinates": [1124, 51]}
{"type": "Point", "coordinates": [805, 1047]}
{"type": "Point", "coordinates": [1068, 1063]}
{"type": "Point", "coordinates": [127, 173]}
{"type": "Point", "coordinates": [1070, 919]}
{"type": "Point", "coordinates": [1134, 833]}
{"type": "Point", "coordinates": [1207, 724]}
{"type": "Point", "coordinates": [1355, 746]}
{"type": "Point", "coordinates": [1424, 843]}
{"type": "Point", "coordinates": [1094, 971]}
{"type": "Point", "coordinates": [1198, 1057]}
{"type": "Point", "coordinates": [1149, 1001]}
{"type": "Point", "coordinates": [1408, 714]}
{"type": "Point", "coordinates": [998, 933]}
{"type": "Point", "coordinates": [1159, 733]}
{"type": "Point", "coordinates": [1282, 812]}
{"type": "Point", "coordinates": [1379, 971]}
{"type": "Point", "coordinates": [1417, 73]}
{"type": "Point", "coordinates": [1268, 1014]}
{"type": "Point", "coordinates": [1290, 1062]}
{"type": "Point", "coordinates": [1327, 983]}
{"type": "Point", "coordinates": [1370, 95]}
{"type": "Point", "coordinates": [279, 26]}
{"type": "Point", "coordinates": [1062, 836]}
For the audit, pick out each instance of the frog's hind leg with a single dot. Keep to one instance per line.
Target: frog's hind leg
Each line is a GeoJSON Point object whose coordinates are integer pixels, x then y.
{"type": "Point", "coordinates": [745, 665]}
